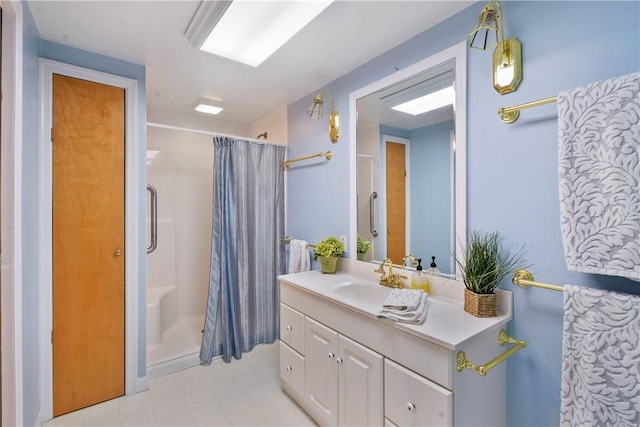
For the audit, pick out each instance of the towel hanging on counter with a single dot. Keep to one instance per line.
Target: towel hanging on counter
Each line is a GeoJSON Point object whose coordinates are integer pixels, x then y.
{"type": "Point", "coordinates": [600, 358]}
{"type": "Point", "coordinates": [599, 176]}
{"type": "Point", "coordinates": [299, 258]}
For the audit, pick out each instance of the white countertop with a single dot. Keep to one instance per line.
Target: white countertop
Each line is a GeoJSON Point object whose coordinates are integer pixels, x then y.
{"type": "Point", "coordinates": [447, 324]}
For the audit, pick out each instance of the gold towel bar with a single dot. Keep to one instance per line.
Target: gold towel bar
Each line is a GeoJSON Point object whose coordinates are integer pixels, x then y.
{"type": "Point", "coordinates": [463, 363]}
{"type": "Point", "coordinates": [287, 239]}
{"type": "Point", "coordinates": [511, 114]}
{"type": "Point", "coordinates": [523, 279]}
{"type": "Point", "coordinates": [326, 155]}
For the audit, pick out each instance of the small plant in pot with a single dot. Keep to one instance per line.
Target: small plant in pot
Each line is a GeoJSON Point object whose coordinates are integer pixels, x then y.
{"type": "Point", "coordinates": [328, 251]}
{"type": "Point", "coordinates": [484, 262]}
{"type": "Point", "coordinates": [363, 246]}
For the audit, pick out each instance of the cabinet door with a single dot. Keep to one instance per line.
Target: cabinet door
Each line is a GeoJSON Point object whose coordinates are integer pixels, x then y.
{"type": "Point", "coordinates": [412, 400]}
{"type": "Point", "coordinates": [321, 372]}
{"type": "Point", "coordinates": [360, 381]}
{"type": "Point", "coordinates": [291, 369]}
{"type": "Point", "coordinates": [292, 328]}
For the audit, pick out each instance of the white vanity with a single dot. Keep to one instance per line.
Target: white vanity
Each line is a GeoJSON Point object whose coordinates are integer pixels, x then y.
{"type": "Point", "coordinates": [345, 366]}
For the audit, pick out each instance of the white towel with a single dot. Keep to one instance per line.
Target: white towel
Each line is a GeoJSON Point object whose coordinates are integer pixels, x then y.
{"type": "Point", "coordinates": [416, 316]}
{"type": "Point", "coordinates": [403, 299]}
{"type": "Point", "coordinates": [600, 358]}
{"type": "Point", "coordinates": [599, 176]}
{"type": "Point", "coordinates": [299, 257]}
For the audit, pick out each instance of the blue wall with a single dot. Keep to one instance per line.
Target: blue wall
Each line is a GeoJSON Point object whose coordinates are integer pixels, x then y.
{"type": "Point", "coordinates": [33, 49]}
{"type": "Point", "coordinates": [512, 179]}
{"type": "Point", "coordinates": [30, 209]}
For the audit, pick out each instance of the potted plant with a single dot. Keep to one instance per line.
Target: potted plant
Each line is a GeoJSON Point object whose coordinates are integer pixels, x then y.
{"type": "Point", "coordinates": [363, 246]}
{"type": "Point", "coordinates": [484, 262]}
{"type": "Point", "coordinates": [328, 250]}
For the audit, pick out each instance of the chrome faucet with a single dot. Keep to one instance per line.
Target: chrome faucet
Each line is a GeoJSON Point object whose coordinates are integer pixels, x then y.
{"type": "Point", "coordinates": [391, 280]}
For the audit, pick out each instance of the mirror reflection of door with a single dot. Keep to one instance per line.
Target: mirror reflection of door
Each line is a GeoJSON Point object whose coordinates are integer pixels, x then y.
{"type": "Point", "coordinates": [396, 177]}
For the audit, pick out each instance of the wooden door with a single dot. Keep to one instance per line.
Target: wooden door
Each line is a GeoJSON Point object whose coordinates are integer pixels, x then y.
{"type": "Point", "coordinates": [88, 243]}
{"type": "Point", "coordinates": [396, 201]}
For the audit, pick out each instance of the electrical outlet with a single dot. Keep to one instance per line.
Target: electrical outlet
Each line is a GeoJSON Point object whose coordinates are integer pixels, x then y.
{"type": "Point", "coordinates": [343, 239]}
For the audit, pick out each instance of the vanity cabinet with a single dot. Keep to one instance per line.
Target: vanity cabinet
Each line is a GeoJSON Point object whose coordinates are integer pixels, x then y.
{"type": "Point", "coordinates": [343, 379]}
{"type": "Point", "coordinates": [345, 366]}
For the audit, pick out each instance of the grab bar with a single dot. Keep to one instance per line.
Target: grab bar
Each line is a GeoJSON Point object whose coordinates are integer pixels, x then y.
{"type": "Point", "coordinates": [154, 218]}
{"type": "Point", "coordinates": [373, 196]}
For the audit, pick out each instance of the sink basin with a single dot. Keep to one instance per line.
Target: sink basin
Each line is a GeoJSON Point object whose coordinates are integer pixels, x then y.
{"type": "Point", "coordinates": [369, 293]}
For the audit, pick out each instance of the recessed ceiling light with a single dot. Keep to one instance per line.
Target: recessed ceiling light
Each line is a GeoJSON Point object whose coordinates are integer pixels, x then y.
{"type": "Point", "coordinates": [429, 102]}
{"type": "Point", "coordinates": [207, 107]}
{"type": "Point", "coordinates": [249, 31]}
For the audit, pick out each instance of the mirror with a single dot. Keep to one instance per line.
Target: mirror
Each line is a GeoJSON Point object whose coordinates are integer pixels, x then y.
{"type": "Point", "coordinates": [408, 169]}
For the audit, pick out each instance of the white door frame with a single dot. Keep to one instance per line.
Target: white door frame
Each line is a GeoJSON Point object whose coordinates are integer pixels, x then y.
{"type": "Point", "coordinates": [133, 183]}
{"type": "Point", "coordinates": [11, 215]}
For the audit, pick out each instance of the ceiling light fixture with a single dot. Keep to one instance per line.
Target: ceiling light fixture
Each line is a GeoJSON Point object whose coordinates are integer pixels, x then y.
{"type": "Point", "coordinates": [208, 107]}
{"type": "Point", "coordinates": [249, 31]}
{"type": "Point", "coordinates": [429, 102]}
{"type": "Point", "coordinates": [507, 57]}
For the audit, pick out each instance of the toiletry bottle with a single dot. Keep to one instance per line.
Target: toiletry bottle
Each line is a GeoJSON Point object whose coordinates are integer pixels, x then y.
{"type": "Point", "coordinates": [433, 271]}
{"type": "Point", "coordinates": [418, 279]}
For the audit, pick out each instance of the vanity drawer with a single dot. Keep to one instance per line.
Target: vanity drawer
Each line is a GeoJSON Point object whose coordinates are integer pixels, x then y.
{"type": "Point", "coordinates": [412, 400]}
{"type": "Point", "coordinates": [292, 328]}
{"type": "Point", "coordinates": [292, 368]}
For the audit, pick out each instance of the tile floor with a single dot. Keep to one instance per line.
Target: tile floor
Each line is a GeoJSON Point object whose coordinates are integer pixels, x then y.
{"type": "Point", "coordinates": [245, 392]}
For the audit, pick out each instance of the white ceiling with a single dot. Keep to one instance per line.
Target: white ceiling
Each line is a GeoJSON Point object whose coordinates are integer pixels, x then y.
{"type": "Point", "coordinates": [346, 35]}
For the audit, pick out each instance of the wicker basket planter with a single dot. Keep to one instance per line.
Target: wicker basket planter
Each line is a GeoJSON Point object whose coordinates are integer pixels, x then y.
{"type": "Point", "coordinates": [481, 305]}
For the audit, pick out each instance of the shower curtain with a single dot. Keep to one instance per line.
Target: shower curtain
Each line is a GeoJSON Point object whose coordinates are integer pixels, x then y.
{"type": "Point", "coordinates": [246, 252]}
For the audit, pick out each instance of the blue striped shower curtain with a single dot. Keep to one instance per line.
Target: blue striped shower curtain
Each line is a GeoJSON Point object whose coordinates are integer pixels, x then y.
{"type": "Point", "coordinates": [246, 252]}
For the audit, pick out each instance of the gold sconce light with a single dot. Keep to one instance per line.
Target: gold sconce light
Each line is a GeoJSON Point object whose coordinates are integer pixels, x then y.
{"type": "Point", "coordinates": [315, 112]}
{"type": "Point", "coordinates": [507, 56]}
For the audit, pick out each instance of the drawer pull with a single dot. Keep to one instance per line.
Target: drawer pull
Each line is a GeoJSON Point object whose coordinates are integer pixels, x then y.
{"type": "Point", "coordinates": [289, 368]}
{"type": "Point", "coordinates": [339, 360]}
{"type": "Point", "coordinates": [331, 355]}
{"type": "Point", "coordinates": [411, 407]}
{"type": "Point", "coordinates": [289, 327]}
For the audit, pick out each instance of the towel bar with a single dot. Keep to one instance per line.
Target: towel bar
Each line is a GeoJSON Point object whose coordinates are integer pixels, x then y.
{"type": "Point", "coordinates": [511, 114]}
{"type": "Point", "coordinates": [287, 239]}
{"type": "Point", "coordinates": [463, 363]}
{"type": "Point", "coordinates": [524, 279]}
{"type": "Point", "coordinates": [327, 155]}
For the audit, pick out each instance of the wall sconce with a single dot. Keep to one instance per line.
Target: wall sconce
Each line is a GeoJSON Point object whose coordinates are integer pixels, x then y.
{"type": "Point", "coordinates": [315, 111]}
{"type": "Point", "coordinates": [507, 57]}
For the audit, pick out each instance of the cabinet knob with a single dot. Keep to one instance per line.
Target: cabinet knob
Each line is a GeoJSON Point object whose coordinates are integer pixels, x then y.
{"type": "Point", "coordinates": [289, 368]}
{"type": "Point", "coordinates": [411, 407]}
{"type": "Point", "coordinates": [339, 360]}
{"type": "Point", "coordinates": [289, 327]}
{"type": "Point", "coordinates": [331, 355]}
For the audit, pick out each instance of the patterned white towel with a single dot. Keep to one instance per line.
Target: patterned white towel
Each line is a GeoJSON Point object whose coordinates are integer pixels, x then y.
{"type": "Point", "coordinates": [299, 257]}
{"type": "Point", "coordinates": [403, 299]}
{"type": "Point", "coordinates": [600, 359]}
{"type": "Point", "coordinates": [416, 316]}
{"type": "Point", "coordinates": [599, 171]}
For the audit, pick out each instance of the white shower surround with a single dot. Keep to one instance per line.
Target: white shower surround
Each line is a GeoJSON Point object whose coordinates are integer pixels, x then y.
{"type": "Point", "coordinates": [180, 167]}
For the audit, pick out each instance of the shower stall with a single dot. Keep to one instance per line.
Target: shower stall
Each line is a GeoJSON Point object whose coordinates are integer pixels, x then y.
{"type": "Point", "coordinates": [180, 172]}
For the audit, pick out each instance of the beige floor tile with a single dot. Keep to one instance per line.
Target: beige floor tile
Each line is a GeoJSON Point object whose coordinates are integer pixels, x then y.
{"type": "Point", "coordinates": [71, 419]}
{"type": "Point", "coordinates": [273, 407]}
{"type": "Point", "coordinates": [206, 414]}
{"type": "Point", "coordinates": [135, 403]}
{"type": "Point", "coordinates": [234, 402]}
{"type": "Point", "coordinates": [183, 419]}
{"type": "Point", "coordinates": [170, 409]}
{"type": "Point", "coordinates": [143, 418]}
{"type": "Point", "coordinates": [103, 414]}
{"type": "Point", "coordinates": [199, 398]}
{"type": "Point", "coordinates": [248, 417]}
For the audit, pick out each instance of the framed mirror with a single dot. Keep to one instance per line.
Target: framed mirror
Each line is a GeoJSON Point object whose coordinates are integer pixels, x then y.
{"type": "Point", "coordinates": [408, 162]}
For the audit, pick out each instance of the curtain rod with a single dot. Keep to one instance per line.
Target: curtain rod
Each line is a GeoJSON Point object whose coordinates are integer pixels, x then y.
{"type": "Point", "coordinates": [204, 132]}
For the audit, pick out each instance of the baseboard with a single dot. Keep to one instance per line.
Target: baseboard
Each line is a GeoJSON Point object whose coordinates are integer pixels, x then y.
{"type": "Point", "coordinates": [174, 365]}
{"type": "Point", "coordinates": [142, 384]}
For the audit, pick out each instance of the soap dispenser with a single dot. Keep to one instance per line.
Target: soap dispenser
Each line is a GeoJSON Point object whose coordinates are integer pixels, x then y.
{"type": "Point", "coordinates": [418, 279]}
{"type": "Point", "coordinates": [433, 271]}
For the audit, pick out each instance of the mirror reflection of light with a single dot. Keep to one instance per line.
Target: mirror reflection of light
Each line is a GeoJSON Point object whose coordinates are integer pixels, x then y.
{"type": "Point", "coordinates": [429, 102]}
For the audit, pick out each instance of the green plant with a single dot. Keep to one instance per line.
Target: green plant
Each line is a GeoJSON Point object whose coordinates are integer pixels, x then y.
{"type": "Point", "coordinates": [329, 247]}
{"type": "Point", "coordinates": [363, 245]}
{"type": "Point", "coordinates": [484, 261]}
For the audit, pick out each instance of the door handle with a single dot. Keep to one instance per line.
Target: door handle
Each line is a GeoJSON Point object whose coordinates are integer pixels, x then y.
{"type": "Point", "coordinates": [373, 231]}
{"type": "Point", "coordinates": [117, 252]}
{"type": "Point", "coordinates": [154, 218]}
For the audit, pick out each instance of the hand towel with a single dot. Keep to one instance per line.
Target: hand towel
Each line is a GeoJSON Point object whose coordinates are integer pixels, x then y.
{"type": "Point", "coordinates": [416, 316]}
{"type": "Point", "coordinates": [299, 257]}
{"type": "Point", "coordinates": [599, 176]}
{"type": "Point", "coordinates": [403, 299]}
{"type": "Point", "coordinates": [600, 358]}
